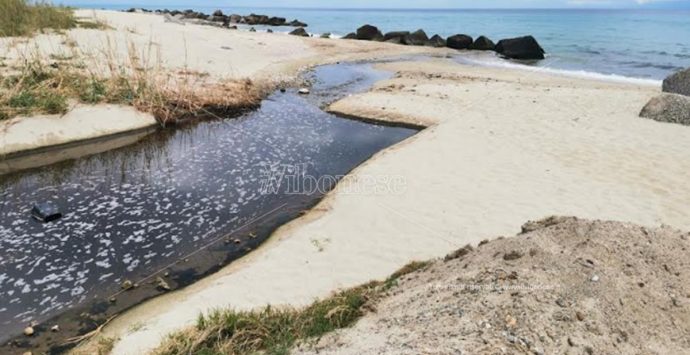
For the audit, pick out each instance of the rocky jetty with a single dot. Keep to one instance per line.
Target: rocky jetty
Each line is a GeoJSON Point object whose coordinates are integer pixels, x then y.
{"type": "Point", "coordinates": [218, 17]}
{"type": "Point", "coordinates": [524, 48]}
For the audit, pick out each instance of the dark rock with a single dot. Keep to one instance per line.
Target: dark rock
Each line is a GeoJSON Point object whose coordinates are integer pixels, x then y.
{"type": "Point", "coordinates": [483, 43]}
{"type": "Point", "coordinates": [218, 13]}
{"type": "Point", "coordinates": [678, 83]}
{"type": "Point", "coordinates": [351, 35]}
{"type": "Point", "coordinates": [254, 19]}
{"type": "Point", "coordinates": [276, 21]}
{"type": "Point", "coordinates": [671, 108]}
{"type": "Point", "coordinates": [46, 212]}
{"type": "Point", "coordinates": [269, 31]}
{"type": "Point", "coordinates": [300, 32]}
{"type": "Point", "coordinates": [233, 27]}
{"type": "Point", "coordinates": [234, 18]}
{"type": "Point", "coordinates": [296, 23]}
{"type": "Point", "coordinates": [395, 34]}
{"type": "Point", "coordinates": [325, 35]}
{"type": "Point", "coordinates": [369, 33]}
{"type": "Point", "coordinates": [436, 41]}
{"type": "Point", "coordinates": [252, 29]}
{"type": "Point", "coordinates": [459, 42]}
{"type": "Point", "coordinates": [520, 48]}
{"type": "Point", "coordinates": [417, 38]}
{"type": "Point", "coordinates": [191, 14]}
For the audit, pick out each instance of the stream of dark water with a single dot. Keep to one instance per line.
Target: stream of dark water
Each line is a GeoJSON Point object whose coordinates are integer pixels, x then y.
{"type": "Point", "coordinates": [132, 211]}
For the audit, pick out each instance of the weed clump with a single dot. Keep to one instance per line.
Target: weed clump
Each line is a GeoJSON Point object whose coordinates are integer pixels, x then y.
{"type": "Point", "coordinates": [22, 17]}
{"type": "Point", "coordinates": [276, 330]}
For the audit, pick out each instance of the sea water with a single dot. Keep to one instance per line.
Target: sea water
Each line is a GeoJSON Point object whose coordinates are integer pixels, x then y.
{"type": "Point", "coordinates": [647, 44]}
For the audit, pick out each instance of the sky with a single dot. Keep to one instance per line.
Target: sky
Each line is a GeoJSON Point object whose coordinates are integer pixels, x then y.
{"type": "Point", "coordinates": [389, 4]}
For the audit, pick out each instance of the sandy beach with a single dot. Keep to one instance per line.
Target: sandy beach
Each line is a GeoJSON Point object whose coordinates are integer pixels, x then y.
{"type": "Point", "coordinates": [214, 54]}
{"type": "Point", "coordinates": [500, 146]}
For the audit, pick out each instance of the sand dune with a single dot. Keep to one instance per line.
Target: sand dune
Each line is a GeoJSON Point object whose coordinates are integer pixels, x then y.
{"type": "Point", "coordinates": [568, 287]}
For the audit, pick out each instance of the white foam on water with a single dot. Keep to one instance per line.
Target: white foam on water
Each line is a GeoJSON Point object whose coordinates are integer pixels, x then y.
{"type": "Point", "coordinates": [489, 59]}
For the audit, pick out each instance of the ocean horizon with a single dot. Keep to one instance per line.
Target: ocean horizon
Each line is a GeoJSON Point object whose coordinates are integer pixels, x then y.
{"type": "Point", "coordinates": [620, 43]}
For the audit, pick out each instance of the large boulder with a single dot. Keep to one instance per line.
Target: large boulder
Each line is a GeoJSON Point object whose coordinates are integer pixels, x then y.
{"type": "Point", "coordinates": [672, 108]}
{"type": "Point", "coordinates": [350, 35]}
{"type": "Point", "coordinates": [395, 34]}
{"type": "Point", "coordinates": [678, 83]}
{"type": "Point", "coordinates": [436, 41]}
{"type": "Point", "coordinates": [483, 43]}
{"type": "Point", "coordinates": [416, 38]}
{"type": "Point", "coordinates": [459, 42]}
{"type": "Point", "coordinates": [520, 48]}
{"type": "Point", "coordinates": [369, 33]}
{"type": "Point", "coordinates": [218, 13]}
{"type": "Point", "coordinates": [300, 31]}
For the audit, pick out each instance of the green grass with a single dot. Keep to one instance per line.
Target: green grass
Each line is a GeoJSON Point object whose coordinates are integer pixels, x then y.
{"type": "Point", "coordinates": [22, 17]}
{"type": "Point", "coordinates": [276, 330]}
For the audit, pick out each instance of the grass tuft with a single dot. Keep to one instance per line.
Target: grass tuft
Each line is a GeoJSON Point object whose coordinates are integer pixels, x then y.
{"type": "Point", "coordinates": [276, 330]}
{"type": "Point", "coordinates": [22, 17]}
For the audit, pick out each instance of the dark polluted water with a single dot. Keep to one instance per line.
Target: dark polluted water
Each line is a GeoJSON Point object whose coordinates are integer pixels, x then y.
{"type": "Point", "coordinates": [175, 206]}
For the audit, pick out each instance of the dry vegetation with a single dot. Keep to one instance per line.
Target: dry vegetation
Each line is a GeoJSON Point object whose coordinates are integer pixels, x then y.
{"type": "Point", "coordinates": [21, 17]}
{"type": "Point", "coordinates": [50, 84]}
{"type": "Point", "coordinates": [277, 330]}
{"type": "Point", "coordinates": [49, 88]}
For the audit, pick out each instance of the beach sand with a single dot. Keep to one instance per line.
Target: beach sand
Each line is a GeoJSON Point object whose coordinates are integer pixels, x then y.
{"type": "Point", "coordinates": [503, 146]}
{"type": "Point", "coordinates": [212, 53]}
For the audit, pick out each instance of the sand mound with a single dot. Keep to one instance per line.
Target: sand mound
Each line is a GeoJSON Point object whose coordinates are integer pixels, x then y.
{"type": "Point", "coordinates": [564, 286]}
